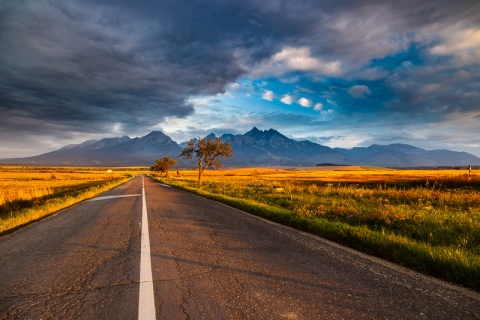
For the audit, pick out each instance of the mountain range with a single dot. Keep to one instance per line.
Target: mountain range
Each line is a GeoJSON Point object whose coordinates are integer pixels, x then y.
{"type": "Point", "coordinates": [254, 148]}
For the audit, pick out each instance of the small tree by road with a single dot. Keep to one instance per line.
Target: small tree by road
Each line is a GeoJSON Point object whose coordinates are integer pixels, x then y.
{"type": "Point", "coordinates": [163, 165]}
{"type": "Point", "coordinates": [209, 153]}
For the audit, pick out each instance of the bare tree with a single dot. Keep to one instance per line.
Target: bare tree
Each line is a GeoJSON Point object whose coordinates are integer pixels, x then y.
{"type": "Point", "coordinates": [163, 165]}
{"type": "Point", "coordinates": [208, 152]}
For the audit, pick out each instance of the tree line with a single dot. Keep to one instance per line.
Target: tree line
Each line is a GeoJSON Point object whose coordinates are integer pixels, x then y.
{"type": "Point", "coordinates": [204, 152]}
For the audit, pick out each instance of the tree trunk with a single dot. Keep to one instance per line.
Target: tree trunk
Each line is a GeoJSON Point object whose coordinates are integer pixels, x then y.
{"type": "Point", "coordinates": [200, 171]}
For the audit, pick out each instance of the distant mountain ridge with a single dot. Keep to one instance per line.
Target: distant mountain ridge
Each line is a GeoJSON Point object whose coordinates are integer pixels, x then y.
{"type": "Point", "coordinates": [254, 148]}
{"type": "Point", "coordinates": [120, 151]}
{"type": "Point", "coordinates": [404, 155]}
{"type": "Point", "coordinates": [96, 144]}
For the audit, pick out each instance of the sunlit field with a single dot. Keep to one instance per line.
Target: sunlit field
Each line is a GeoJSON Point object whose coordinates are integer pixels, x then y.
{"type": "Point", "coordinates": [30, 193]}
{"type": "Point", "coordinates": [425, 219]}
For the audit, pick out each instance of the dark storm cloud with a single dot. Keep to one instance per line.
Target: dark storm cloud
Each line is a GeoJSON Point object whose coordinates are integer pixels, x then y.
{"type": "Point", "coordinates": [119, 66]}
{"type": "Point", "coordinates": [99, 64]}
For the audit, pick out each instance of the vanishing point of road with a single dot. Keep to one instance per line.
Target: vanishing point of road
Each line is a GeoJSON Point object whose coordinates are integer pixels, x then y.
{"type": "Point", "coordinates": [144, 250]}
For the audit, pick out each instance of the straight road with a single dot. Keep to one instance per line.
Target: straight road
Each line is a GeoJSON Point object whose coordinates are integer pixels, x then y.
{"type": "Point", "coordinates": [207, 261]}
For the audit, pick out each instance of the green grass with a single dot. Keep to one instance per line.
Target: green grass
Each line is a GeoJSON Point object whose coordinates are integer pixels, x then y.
{"type": "Point", "coordinates": [430, 226]}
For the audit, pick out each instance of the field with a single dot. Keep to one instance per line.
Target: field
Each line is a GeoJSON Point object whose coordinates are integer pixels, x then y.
{"type": "Point", "coordinates": [428, 220]}
{"type": "Point", "coordinates": [30, 193]}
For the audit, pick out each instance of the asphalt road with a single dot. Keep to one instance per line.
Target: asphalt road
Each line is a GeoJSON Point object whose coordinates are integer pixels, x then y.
{"type": "Point", "coordinates": [208, 261]}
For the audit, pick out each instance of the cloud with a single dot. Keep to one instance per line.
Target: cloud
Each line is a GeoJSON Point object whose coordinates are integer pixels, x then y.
{"type": "Point", "coordinates": [268, 95]}
{"type": "Point", "coordinates": [463, 44]}
{"type": "Point", "coordinates": [93, 68]}
{"type": "Point", "coordinates": [369, 73]}
{"type": "Point", "coordinates": [87, 66]}
{"type": "Point", "coordinates": [295, 59]}
{"type": "Point", "coordinates": [318, 107]}
{"type": "Point", "coordinates": [431, 92]}
{"type": "Point", "coordinates": [304, 102]}
{"type": "Point", "coordinates": [430, 88]}
{"type": "Point", "coordinates": [287, 99]}
{"type": "Point", "coordinates": [301, 89]}
{"type": "Point", "coordinates": [359, 91]}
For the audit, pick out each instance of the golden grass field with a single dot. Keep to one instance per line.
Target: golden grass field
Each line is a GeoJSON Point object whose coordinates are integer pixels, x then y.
{"type": "Point", "coordinates": [335, 174]}
{"type": "Point", "coordinates": [30, 193]}
{"type": "Point", "coordinates": [27, 184]}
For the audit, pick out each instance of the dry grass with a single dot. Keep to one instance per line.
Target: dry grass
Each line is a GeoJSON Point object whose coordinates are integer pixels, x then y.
{"type": "Point", "coordinates": [335, 175]}
{"type": "Point", "coordinates": [30, 193]}
{"type": "Point", "coordinates": [33, 184]}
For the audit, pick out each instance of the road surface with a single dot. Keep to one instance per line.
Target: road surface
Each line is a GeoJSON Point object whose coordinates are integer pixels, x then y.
{"type": "Point", "coordinates": [207, 261]}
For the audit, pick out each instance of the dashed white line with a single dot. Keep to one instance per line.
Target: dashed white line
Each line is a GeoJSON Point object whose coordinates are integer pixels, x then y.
{"type": "Point", "coordinates": [112, 197]}
{"type": "Point", "coordinates": [146, 300]}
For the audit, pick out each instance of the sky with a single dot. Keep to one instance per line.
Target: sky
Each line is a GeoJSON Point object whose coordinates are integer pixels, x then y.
{"type": "Point", "coordinates": [341, 73]}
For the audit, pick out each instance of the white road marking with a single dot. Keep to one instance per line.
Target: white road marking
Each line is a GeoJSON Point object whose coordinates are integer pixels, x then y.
{"type": "Point", "coordinates": [146, 300]}
{"type": "Point", "coordinates": [112, 197]}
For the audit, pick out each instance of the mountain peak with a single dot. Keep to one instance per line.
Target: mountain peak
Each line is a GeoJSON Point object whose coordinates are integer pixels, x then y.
{"type": "Point", "coordinates": [259, 134]}
{"type": "Point", "coordinates": [155, 134]}
{"type": "Point", "coordinates": [253, 132]}
{"type": "Point", "coordinates": [154, 138]}
{"type": "Point", "coordinates": [211, 136]}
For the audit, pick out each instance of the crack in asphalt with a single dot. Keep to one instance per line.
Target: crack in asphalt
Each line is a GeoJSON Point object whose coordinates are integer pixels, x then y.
{"type": "Point", "coordinates": [68, 291]}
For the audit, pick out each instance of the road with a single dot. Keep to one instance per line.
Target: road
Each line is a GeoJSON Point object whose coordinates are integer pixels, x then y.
{"type": "Point", "coordinates": [207, 261]}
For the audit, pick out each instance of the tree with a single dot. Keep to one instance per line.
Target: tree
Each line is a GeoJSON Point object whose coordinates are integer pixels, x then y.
{"type": "Point", "coordinates": [208, 153]}
{"type": "Point", "coordinates": [163, 165]}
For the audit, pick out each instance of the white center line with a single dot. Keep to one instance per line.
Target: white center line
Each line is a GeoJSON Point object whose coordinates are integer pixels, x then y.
{"type": "Point", "coordinates": [146, 300]}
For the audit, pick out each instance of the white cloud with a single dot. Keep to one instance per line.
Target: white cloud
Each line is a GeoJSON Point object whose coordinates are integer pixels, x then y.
{"type": "Point", "coordinates": [318, 107]}
{"type": "Point", "coordinates": [304, 89]}
{"type": "Point", "coordinates": [304, 102]}
{"type": "Point", "coordinates": [459, 40]}
{"type": "Point", "coordinates": [359, 91]}
{"type": "Point", "coordinates": [117, 127]}
{"type": "Point", "coordinates": [232, 88]}
{"type": "Point", "coordinates": [287, 99]}
{"type": "Point", "coordinates": [333, 103]}
{"type": "Point", "coordinates": [464, 45]}
{"type": "Point", "coordinates": [296, 59]}
{"type": "Point", "coordinates": [348, 141]}
{"type": "Point", "coordinates": [268, 95]}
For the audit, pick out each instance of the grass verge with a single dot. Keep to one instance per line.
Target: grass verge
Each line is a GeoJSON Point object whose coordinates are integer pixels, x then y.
{"type": "Point", "coordinates": [450, 262]}
{"type": "Point", "coordinates": [32, 211]}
